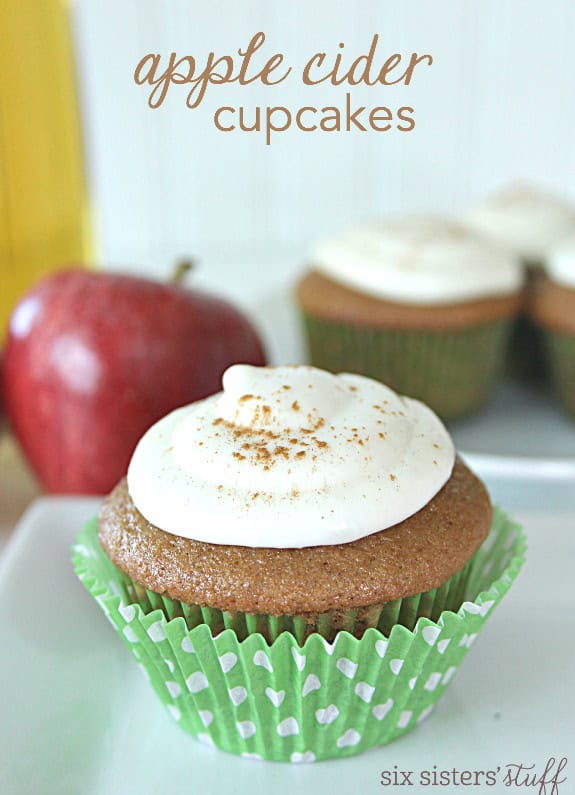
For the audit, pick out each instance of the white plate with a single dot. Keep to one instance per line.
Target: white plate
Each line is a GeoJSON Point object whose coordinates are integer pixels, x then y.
{"type": "Point", "coordinates": [78, 718]}
{"type": "Point", "coordinates": [522, 421]}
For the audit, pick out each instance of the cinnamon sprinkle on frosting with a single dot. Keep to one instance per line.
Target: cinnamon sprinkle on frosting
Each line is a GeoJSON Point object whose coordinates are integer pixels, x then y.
{"type": "Point", "coordinates": [245, 439]}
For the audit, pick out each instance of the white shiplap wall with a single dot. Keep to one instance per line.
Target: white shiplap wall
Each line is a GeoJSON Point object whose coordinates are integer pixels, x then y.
{"type": "Point", "coordinates": [497, 105]}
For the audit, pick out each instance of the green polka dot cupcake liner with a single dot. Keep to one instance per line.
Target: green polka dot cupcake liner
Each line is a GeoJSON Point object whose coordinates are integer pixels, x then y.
{"type": "Point", "coordinates": [454, 372]}
{"type": "Point", "coordinates": [301, 702]}
{"type": "Point", "coordinates": [561, 359]}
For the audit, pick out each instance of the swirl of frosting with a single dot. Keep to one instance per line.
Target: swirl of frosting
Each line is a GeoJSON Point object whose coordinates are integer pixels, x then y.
{"type": "Point", "coordinates": [419, 260]}
{"type": "Point", "coordinates": [527, 220]}
{"type": "Point", "coordinates": [290, 457]}
{"type": "Point", "coordinates": [560, 265]}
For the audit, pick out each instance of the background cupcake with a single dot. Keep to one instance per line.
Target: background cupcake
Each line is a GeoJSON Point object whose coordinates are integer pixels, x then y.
{"type": "Point", "coordinates": [290, 562]}
{"type": "Point", "coordinates": [526, 219]}
{"type": "Point", "coordinates": [530, 222]}
{"type": "Point", "coordinates": [553, 310]}
{"type": "Point", "coordinates": [422, 304]}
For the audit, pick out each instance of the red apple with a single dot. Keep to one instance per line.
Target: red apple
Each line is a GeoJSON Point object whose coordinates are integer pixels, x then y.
{"type": "Point", "coordinates": [93, 359]}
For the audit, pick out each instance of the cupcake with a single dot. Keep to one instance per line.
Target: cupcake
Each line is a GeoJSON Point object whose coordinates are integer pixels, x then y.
{"type": "Point", "coordinates": [526, 220]}
{"type": "Point", "coordinates": [553, 310]}
{"type": "Point", "coordinates": [530, 222]}
{"type": "Point", "coordinates": [299, 563]}
{"type": "Point", "coordinates": [422, 304]}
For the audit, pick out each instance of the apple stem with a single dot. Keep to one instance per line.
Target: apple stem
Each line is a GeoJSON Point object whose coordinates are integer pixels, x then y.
{"type": "Point", "coordinates": [182, 268]}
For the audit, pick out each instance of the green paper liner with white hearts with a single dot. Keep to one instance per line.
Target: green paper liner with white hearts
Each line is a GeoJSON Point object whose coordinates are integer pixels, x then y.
{"type": "Point", "coordinates": [453, 372]}
{"type": "Point", "coordinates": [561, 356]}
{"type": "Point", "coordinates": [289, 702]}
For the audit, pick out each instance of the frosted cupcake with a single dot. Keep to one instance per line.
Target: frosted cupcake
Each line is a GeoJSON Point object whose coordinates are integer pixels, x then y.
{"type": "Point", "coordinates": [525, 219]}
{"type": "Point", "coordinates": [422, 304]}
{"type": "Point", "coordinates": [297, 562]}
{"type": "Point", "coordinates": [530, 222]}
{"type": "Point", "coordinates": [553, 310]}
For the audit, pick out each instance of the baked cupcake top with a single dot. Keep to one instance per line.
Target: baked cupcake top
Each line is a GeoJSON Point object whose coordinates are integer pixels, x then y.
{"type": "Point", "coordinates": [413, 556]}
{"type": "Point", "coordinates": [527, 220]}
{"type": "Point", "coordinates": [426, 260]}
{"type": "Point", "coordinates": [290, 457]}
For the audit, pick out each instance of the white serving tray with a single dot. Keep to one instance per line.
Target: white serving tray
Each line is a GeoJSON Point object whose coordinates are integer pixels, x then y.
{"type": "Point", "coordinates": [78, 718]}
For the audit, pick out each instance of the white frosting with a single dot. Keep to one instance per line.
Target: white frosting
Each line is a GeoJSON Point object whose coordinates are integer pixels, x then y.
{"type": "Point", "coordinates": [419, 260]}
{"type": "Point", "coordinates": [290, 457]}
{"type": "Point", "coordinates": [561, 263]}
{"type": "Point", "coordinates": [525, 219]}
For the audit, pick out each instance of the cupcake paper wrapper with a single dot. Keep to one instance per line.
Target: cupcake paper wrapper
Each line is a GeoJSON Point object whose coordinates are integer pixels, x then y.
{"type": "Point", "coordinates": [300, 703]}
{"type": "Point", "coordinates": [561, 355]}
{"type": "Point", "coordinates": [452, 371]}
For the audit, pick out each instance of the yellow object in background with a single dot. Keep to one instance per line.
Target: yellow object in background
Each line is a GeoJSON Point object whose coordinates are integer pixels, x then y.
{"type": "Point", "coordinates": [43, 201]}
